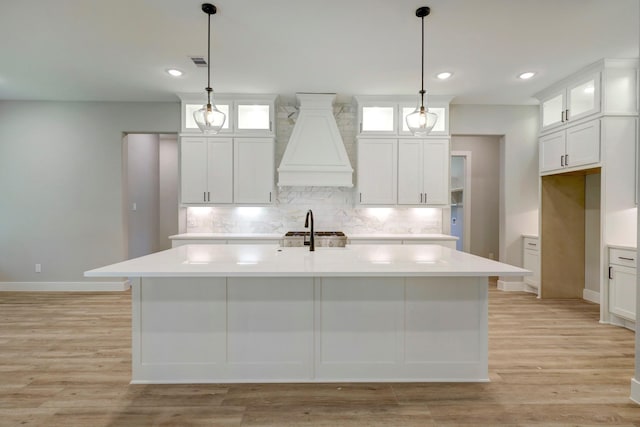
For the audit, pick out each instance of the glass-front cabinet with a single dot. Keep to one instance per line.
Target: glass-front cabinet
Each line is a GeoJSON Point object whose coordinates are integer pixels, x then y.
{"type": "Point", "coordinates": [386, 115]}
{"type": "Point", "coordinates": [246, 114]}
{"type": "Point", "coordinates": [575, 100]}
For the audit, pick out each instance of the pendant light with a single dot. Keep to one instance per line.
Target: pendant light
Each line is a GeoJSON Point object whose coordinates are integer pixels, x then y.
{"type": "Point", "coordinates": [209, 119]}
{"type": "Point", "coordinates": [421, 121]}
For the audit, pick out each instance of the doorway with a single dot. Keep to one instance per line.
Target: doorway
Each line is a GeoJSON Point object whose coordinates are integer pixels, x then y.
{"type": "Point", "coordinates": [481, 235]}
{"type": "Point", "coordinates": [150, 193]}
{"type": "Point", "coordinates": [460, 198]}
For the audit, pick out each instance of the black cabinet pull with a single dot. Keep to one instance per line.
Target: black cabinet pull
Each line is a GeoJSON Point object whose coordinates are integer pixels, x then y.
{"type": "Point", "coordinates": [626, 259]}
{"type": "Point", "coordinates": [610, 271]}
{"type": "Point", "coordinates": [562, 161]}
{"type": "Point", "coordinates": [566, 160]}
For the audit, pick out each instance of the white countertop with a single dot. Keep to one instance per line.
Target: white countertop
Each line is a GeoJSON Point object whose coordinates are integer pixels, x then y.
{"type": "Point", "coordinates": [405, 236]}
{"type": "Point", "coordinates": [275, 261]}
{"type": "Point", "coordinates": [271, 236]}
{"type": "Point", "coordinates": [220, 236]}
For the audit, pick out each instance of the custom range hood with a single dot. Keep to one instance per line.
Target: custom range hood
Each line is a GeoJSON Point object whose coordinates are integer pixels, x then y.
{"type": "Point", "coordinates": [315, 154]}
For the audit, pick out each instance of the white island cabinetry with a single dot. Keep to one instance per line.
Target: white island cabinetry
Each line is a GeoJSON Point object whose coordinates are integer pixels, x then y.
{"type": "Point", "coordinates": [261, 313]}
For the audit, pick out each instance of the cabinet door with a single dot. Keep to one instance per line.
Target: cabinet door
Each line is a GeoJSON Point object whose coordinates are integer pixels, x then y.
{"type": "Point", "coordinates": [552, 151]}
{"type": "Point", "coordinates": [410, 178]}
{"type": "Point", "coordinates": [435, 163]}
{"type": "Point", "coordinates": [583, 97]}
{"type": "Point", "coordinates": [254, 170]}
{"type": "Point", "coordinates": [551, 110]}
{"type": "Point", "coordinates": [220, 170]}
{"type": "Point", "coordinates": [377, 177]}
{"type": "Point", "coordinates": [193, 170]}
{"type": "Point", "coordinates": [583, 144]}
{"type": "Point", "coordinates": [622, 292]}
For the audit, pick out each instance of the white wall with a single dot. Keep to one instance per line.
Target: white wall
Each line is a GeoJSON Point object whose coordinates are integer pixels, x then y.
{"type": "Point", "coordinates": [61, 184]}
{"type": "Point", "coordinates": [485, 191]}
{"type": "Point", "coordinates": [519, 183]}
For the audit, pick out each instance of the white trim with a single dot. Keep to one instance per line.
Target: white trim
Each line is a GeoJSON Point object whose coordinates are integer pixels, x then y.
{"type": "Point", "coordinates": [64, 286]}
{"type": "Point", "coordinates": [635, 391]}
{"type": "Point", "coordinates": [591, 296]}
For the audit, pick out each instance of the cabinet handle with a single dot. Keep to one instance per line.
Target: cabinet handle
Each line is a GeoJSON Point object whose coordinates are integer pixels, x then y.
{"type": "Point", "coordinates": [566, 160]}
{"type": "Point", "coordinates": [626, 259]}
{"type": "Point", "coordinates": [531, 244]}
{"type": "Point", "coordinates": [610, 271]}
{"type": "Point", "coordinates": [420, 197]}
{"type": "Point", "coordinates": [269, 196]}
{"type": "Point", "coordinates": [204, 196]}
{"type": "Point", "coordinates": [566, 115]}
{"type": "Point", "coordinates": [562, 161]}
{"type": "Point", "coordinates": [208, 196]}
{"type": "Point", "coordinates": [425, 198]}
{"type": "Point", "coordinates": [562, 116]}
{"type": "Point", "coordinates": [360, 197]}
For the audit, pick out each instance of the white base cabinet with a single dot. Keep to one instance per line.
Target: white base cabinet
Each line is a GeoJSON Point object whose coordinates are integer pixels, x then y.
{"type": "Point", "coordinates": [622, 283]}
{"type": "Point", "coordinates": [531, 261]}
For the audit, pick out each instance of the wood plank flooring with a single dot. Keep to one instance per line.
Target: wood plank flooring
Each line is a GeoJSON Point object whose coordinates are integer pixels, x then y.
{"type": "Point", "coordinates": [65, 361]}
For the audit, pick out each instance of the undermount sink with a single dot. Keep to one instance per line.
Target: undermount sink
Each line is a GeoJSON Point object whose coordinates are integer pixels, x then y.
{"type": "Point", "coordinates": [334, 239]}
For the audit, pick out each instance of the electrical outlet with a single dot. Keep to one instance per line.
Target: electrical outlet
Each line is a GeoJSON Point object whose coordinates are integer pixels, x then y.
{"type": "Point", "coordinates": [38, 268]}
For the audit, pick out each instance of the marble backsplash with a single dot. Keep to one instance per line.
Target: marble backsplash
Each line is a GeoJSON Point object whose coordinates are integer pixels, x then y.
{"type": "Point", "coordinates": [333, 210]}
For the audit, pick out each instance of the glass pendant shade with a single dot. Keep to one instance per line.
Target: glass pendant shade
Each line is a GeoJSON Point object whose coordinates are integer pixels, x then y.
{"type": "Point", "coordinates": [421, 121]}
{"type": "Point", "coordinates": [209, 119]}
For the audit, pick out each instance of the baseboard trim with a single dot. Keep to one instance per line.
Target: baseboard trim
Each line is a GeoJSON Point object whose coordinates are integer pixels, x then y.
{"type": "Point", "coordinates": [510, 286]}
{"type": "Point", "coordinates": [591, 296]}
{"type": "Point", "coordinates": [64, 286]}
{"type": "Point", "coordinates": [635, 391]}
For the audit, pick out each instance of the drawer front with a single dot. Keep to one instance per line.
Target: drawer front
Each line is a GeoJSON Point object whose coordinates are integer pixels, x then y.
{"type": "Point", "coordinates": [622, 257]}
{"type": "Point", "coordinates": [531, 244]}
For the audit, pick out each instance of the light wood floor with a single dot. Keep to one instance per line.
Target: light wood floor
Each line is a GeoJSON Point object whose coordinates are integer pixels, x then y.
{"type": "Point", "coordinates": [65, 361]}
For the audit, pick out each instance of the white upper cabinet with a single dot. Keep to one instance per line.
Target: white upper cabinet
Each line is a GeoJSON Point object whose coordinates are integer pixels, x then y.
{"type": "Point", "coordinates": [606, 87]}
{"type": "Point", "coordinates": [253, 170]}
{"type": "Point", "coordinates": [206, 170]}
{"type": "Point", "coordinates": [386, 115]}
{"type": "Point", "coordinates": [246, 114]}
{"type": "Point", "coordinates": [377, 171]}
{"type": "Point", "coordinates": [423, 172]}
{"type": "Point", "coordinates": [574, 148]}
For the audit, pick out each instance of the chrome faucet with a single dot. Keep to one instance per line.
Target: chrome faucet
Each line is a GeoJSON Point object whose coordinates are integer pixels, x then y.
{"type": "Point", "coordinates": [312, 246]}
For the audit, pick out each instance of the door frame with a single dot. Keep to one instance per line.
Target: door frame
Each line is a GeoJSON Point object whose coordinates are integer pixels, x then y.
{"type": "Point", "coordinates": [466, 199]}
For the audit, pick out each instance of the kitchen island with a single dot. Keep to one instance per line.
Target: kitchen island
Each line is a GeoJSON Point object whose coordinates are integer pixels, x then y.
{"type": "Point", "coordinates": [264, 313]}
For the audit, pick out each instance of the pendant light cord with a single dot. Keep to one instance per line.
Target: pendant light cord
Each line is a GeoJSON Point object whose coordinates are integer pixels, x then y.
{"type": "Point", "coordinates": [422, 85]}
{"type": "Point", "coordinates": [209, 54]}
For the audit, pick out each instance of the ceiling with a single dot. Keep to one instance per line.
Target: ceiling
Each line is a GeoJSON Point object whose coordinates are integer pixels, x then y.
{"type": "Point", "coordinates": [118, 50]}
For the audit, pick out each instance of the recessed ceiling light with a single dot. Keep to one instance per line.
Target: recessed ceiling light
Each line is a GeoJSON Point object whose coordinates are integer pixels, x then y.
{"type": "Point", "coordinates": [527, 75]}
{"type": "Point", "coordinates": [174, 72]}
{"type": "Point", "coordinates": [444, 75]}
